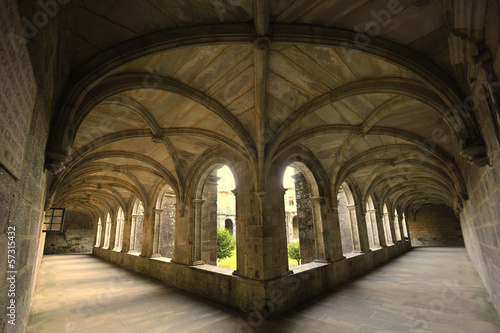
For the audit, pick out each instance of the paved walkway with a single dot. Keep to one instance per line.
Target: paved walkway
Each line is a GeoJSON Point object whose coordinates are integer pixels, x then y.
{"type": "Point", "coordinates": [425, 290]}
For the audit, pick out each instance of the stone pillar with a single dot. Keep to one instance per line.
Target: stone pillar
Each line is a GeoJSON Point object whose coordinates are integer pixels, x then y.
{"type": "Point", "coordinates": [209, 222]}
{"type": "Point", "coordinates": [133, 232]}
{"type": "Point", "coordinates": [364, 243]}
{"type": "Point", "coordinates": [148, 228]}
{"type": "Point", "coordinates": [317, 203]}
{"type": "Point", "coordinates": [331, 233]}
{"type": "Point", "coordinates": [305, 219]}
{"type": "Point", "coordinates": [380, 229]}
{"type": "Point", "coordinates": [127, 229]}
{"type": "Point", "coordinates": [97, 237]}
{"type": "Point", "coordinates": [197, 208]}
{"type": "Point", "coordinates": [374, 226]}
{"type": "Point", "coordinates": [390, 220]}
{"type": "Point", "coordinates": [156, 233]}
{"type": "Point", "coordinates": [354, 228]}
{"type": "Point", "coordinates": [401, 228]}
{"type": "Point", "coordinates": [112, 233]}
{"type": "Point", "coordinates": [104, 226]}
{"type": "Point", "coordinates": [184, 244]}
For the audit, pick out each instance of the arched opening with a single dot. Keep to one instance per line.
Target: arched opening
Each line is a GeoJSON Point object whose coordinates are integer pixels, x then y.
{"type": "Point", "coordinates": [165, 222]}
{"type": "Point", "coordinates": [371, 224]}
{"type": "Point", "coordinates": [302, 213]}
{"type": "Point", "coordinates": [228, 225]}
{"type": "Point", "coordinates": [136, 230]}
{"type": "Point", "coordinates": [218, 204]}
{"type": "Point", "coordinates": [107, 233]}
{"type": "Point", "coordinates": [397, 227]}
{"type": "Point", "coordinates": [349, 232]}
{"type": "Point", "coordinates": [119, 230]}
{"type": "Point", "coordinates": [387, 226]}
{"type": "Point", "coordinates": [98, 233]}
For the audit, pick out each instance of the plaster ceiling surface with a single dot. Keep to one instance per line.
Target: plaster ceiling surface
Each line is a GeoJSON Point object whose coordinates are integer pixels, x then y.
{"type": "Point", "coordinates": [159, 84]}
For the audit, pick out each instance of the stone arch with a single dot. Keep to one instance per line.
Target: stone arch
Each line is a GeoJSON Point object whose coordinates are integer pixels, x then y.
{"type": "Point", "coordinates": [387, 225]}
{"type": "Point", "coordinates": [349, 232]}
{"type": "Point", "coordinates": [107, 231]}
{"type": "Point", "coordinates": [202, 197]}
{"type": "Point", "coordinates": [165, 213]}
{"type": "Point", "coordinates": [310, 203]}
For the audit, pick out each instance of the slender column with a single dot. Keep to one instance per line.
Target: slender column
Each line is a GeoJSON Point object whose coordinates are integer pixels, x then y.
{"type": "Point", "coordinates": [156, 235]}
{"type": "Point", "coordinates": [148, 227]}
{"type": "Point", "coordinates": [127, 229]}
{"type": "Point", "coordinates": [96, 235]}
{"type": "Point", "coordinates": [354, 228]}
{"type": "Point", "coordinates": [379, 218]}
{"type": "Point", "coordinates": [133, 232]}
{"type": "Point", "coordinates": [104, 228]}
{"type": "Point", "coordinates": [390, 220]}
{"type": "Point", "coordinates": [317, 202]}
{"type": "Point", "coordinates": [197, 212]}
{"type": "Point", "coordinates": [112, 233]}
{"type": "Point", "coordinates": [401, 228]}
{"type": "Point", "coordinates": [364, 243]}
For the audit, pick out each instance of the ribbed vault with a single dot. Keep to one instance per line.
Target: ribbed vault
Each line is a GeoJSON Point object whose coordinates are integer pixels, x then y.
{"type": "Point", "coordinates": [147, 104]}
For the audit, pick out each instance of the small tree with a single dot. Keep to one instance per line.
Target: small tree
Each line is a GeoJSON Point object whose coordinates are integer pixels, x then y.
{"type": "Point", "coordinates": [294, 251]}
{"type": "Point", "coordinates": [225, 244]}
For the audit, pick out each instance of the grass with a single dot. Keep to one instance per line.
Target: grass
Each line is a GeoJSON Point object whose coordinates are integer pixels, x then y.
{"type": "Point", "coordinates": [230, 262]}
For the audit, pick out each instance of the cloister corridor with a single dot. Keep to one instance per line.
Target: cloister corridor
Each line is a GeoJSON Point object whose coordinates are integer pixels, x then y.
{"type": "Point", "coordinates": [425, 290]}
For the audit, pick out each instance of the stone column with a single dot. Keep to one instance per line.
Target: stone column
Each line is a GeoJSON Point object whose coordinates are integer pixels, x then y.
{"type": "Point", "coordinates": [387, 233]}
{"type": "Point", "coordinates": [148, 227]}
{"type": "Point", "coordinates": [374, 227]}
{"type": "Point", "coordinates": [354, 228]}
{"type": "Point", "coordinates": [197, 207]}
{"type": "Point", "coordinates": [390, 220]}
{"type": "Point", "coordinates": [156, 233]}
{"type": "Point", "coordinates": [364, 243]}
{"type": "Point", "coordinates": [127, 229]}
{"type": "Point", "coordinates": [104, 226]}
{"type": "Point", "coordinates": [209, 222]}
{"type": "Point", "coordinates": [184, 244]}
{"type": "Point", "coordinates": [96, 234]}
{"type": "Point", "coordinates": [112, 232]}
{"type": "Point", "coordinates": [317, 202]}
{"type": "Point", "coordinates": [380, 229]}
{"type": "Point", "coordinates": [401, 228]}
{"type": "Point", "coordinates": [133, 236]}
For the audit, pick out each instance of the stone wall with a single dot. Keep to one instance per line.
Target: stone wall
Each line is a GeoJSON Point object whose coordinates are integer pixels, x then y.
{"type": "Point", "coordinates": [209, 221]}
{"type": "Point", "coordinates": [269, 297]}
{"type": "Point", "coordinates": [22, 199]}
{"type": "Point", "coordinates": [77, 235]}
{"type": "Point", "coordinates": [435, 225]}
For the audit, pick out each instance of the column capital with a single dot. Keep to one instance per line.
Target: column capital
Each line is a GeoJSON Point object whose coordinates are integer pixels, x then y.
{"type": "Point", "coordinates": [198, 201]}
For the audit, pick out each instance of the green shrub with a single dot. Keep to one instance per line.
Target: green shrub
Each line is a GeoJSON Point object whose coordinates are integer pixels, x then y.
{"type": "Point", "coordinates": [225, 244]}
{"type": "Point", "coordinates": [294, 251]}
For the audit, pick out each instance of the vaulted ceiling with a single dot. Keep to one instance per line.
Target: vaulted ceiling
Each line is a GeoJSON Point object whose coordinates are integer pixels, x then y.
{"type": "Point", "coordinates": [365, 87]}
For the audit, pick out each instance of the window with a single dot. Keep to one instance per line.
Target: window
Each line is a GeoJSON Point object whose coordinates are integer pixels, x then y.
{"type": "Point", "coordinates": [54, 220]}
{"type": "Point", "coordinates": [290, 202]}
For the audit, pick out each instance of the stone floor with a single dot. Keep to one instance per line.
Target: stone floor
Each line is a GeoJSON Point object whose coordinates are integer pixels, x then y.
{"type": "Point", "coordinates": [425, 290]}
